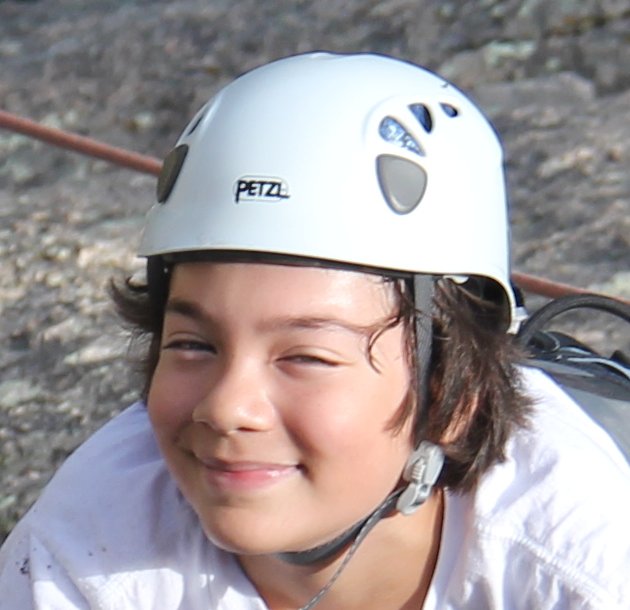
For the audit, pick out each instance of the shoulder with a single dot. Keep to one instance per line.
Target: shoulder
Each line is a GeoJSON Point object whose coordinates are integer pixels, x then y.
{"type": "Point", "coordinates": [106, 480]}
{"type": "Point", "coordinates": [550, 521]}
{"type": "Point", "coordinates": [564, 441]}
{"type": "Point", "coordinates": [111, 525]}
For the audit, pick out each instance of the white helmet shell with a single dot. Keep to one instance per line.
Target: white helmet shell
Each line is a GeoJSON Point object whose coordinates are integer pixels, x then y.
{"type": "Point", "coordinates": [360, 159]}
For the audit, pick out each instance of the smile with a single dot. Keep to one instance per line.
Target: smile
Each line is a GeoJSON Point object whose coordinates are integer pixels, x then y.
{"type": "Point", "coordinates": [245, 475]}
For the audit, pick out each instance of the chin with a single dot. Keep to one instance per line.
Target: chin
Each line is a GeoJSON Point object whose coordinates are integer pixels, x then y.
{"type": "Point", "coordinates": [242, 545]}
{"type": "Point", "coordinates": [260, 538]}
{"type": "Point", "coordinates": [243, 536]}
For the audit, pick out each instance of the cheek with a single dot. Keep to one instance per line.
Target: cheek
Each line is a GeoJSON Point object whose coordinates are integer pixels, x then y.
{"type": "Point", "coordinates": [171, 399]}
{"type": "Point", "coordinates": [351, 421]}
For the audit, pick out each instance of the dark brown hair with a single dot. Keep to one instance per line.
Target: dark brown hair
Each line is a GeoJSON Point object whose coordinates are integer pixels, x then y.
{"type": "Point", "coordinates": [475, 399]}
{"type": "Point", "coordinates": [475, 395]}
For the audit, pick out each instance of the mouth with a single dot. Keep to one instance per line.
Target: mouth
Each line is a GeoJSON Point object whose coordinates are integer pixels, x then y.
{"type": "Point", "coordinates": [245, 475]}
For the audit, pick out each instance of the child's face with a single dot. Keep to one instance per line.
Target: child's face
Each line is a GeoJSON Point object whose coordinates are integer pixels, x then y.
{"type": "Point", "coordinates": [267, 409]}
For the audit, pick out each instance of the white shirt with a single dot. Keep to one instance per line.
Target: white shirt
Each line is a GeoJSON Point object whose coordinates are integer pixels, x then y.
{"type": "Point", "coordinates": [546, 529]}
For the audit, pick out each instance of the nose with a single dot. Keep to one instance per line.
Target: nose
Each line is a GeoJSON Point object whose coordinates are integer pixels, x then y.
{"type": "Point", "coordinates": [236, 399]}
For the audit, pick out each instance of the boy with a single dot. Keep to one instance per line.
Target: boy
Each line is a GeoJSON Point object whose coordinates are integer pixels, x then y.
{"type": "Point", "coordinates": [334, 414]}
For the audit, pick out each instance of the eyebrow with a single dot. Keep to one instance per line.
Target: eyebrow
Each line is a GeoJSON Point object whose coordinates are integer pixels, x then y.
{"type": "Point", "coordinates": [195, 312]}
{"type": "Point", "coordinates": [185, 308]}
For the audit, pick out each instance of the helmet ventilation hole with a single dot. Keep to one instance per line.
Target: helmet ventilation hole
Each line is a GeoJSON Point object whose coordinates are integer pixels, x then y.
{"type": "Point", "coordinates": [392, 131]}
{"type": "Point", "coordinates": [170, 171]}
{"type": "Point", "coordinates": [421, 112]}
{"type": "Point", "coordinates": [449, 110]}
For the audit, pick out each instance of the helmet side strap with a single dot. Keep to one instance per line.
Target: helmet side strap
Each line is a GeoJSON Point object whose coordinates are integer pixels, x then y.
{"type": "Point", "coordinates": [426, 461]}
{"type": "Point", "coordinates": [423, 289]}
{"type": "Point", "coordinates": [157, 282]}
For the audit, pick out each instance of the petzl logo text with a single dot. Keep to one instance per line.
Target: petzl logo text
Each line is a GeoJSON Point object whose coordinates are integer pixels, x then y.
{"type": "Point", "coordinates": [260, 188]}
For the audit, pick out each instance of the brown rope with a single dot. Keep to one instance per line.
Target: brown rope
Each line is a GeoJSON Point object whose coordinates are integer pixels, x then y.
{"type": "Point", "coordinates": [150, 165]}
{"type": "Point", "coordinates": [552, 290]}
{"type": "Point", "coordinates": [81, 144]}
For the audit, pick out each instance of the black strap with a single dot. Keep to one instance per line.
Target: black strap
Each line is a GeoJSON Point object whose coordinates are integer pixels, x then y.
{"type": "Point", "coordinates": [539, 320]}
{"type": "Point", "coordinates": [366, 527]}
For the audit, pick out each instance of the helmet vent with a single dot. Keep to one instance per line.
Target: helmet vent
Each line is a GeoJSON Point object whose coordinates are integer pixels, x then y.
{"type": "Point", "coordinates": [449, 110]}
{"type": "Point", "coordinates": [170, 171]}
{"type": "Point", "coordinates": [392, 131]}
{"type": "Point", "coordinates": [421, 112]}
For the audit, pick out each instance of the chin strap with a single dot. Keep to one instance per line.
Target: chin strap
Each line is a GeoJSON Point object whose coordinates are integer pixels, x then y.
{"type": "Point", "coordinates": [364, 530]}
{"type": "Point", "coordinates": [324, 551]}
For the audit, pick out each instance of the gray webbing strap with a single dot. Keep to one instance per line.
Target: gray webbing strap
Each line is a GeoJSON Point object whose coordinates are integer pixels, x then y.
{"type": "Point", "coordinates": [423, 289]}
{"type": "Point", "coordinates": [373, 519]}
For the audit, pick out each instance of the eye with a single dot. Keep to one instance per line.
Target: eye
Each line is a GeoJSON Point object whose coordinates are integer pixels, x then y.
{"type": "Point", "coordinates": [310, 360]}
{"type": "Point", "coordinates": [189, 345]}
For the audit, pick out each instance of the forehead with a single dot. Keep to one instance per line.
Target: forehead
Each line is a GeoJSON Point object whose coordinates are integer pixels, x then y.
{"type": "Point", "coordinates": [283, 288]}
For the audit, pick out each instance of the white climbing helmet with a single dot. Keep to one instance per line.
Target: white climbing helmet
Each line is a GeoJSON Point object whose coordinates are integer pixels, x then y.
{"type": "Point", "coordinates": [360, 159]}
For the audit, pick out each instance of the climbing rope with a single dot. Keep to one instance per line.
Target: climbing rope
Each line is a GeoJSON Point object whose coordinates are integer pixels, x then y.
{"type": "Point", "coordinates": [80, 144]}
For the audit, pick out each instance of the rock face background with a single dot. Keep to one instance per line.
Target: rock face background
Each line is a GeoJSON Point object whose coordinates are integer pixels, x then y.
{"type": "Point", "coordinates": [553, 76]}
